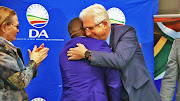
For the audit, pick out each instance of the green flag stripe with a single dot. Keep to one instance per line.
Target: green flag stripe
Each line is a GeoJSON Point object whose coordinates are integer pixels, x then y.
{"type": "Point", "coordinates": [116, 20]}
{"type": "Point", "coordinates": [37, 17]}
{"type": "Point", "coordinates": [161, 58]}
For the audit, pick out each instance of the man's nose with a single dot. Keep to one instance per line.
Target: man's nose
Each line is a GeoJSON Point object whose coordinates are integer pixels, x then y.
{"type": "Point", "coordinates": [88, 33]}
{"type": "Point", "coordinates": [17, 30]}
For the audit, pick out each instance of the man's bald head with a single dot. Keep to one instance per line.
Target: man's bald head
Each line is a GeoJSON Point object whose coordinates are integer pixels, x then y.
{"type": "Point", "coordinates": [75, 28]}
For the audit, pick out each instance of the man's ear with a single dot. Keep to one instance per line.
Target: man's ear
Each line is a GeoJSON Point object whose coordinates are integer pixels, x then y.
{"type": "Point", "coordinates": [3, 26]}
{"type": "Point", "coordinates": [105, 24]}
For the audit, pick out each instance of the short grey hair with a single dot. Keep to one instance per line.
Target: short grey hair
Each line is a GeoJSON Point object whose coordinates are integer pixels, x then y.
{"type": "Point", "coordinates": [98, 11]}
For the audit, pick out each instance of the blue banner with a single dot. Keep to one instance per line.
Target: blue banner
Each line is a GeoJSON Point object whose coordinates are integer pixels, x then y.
{"type": "Point", "coordinates": [47, 22]}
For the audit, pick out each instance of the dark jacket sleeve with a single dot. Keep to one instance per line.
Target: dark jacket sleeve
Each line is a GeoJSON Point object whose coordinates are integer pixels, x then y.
{"type": "Point", "coordinates": [125, 49]}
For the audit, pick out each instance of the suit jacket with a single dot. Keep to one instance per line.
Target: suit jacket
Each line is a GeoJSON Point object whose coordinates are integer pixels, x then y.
{"type": "Point", "coordinates": [128, 58]}
{"type": "Point", "coordinates": [82, 82]}
{"type": "Point", "coordinates": [14, 76]}
{"type": "Point", "coordinates": [172, 75]}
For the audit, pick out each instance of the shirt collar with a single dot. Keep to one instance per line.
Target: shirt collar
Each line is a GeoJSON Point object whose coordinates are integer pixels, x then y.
{"type": "Point", "coordinates": [108, 39]}
{"type": "Point", "coordinates": [7, 41]}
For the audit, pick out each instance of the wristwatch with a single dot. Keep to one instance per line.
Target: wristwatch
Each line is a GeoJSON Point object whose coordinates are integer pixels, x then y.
{"type": "Point", "coordinates": [87, 54]}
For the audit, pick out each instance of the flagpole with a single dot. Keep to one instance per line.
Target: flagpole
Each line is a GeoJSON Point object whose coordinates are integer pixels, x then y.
{"type": "Point", "coordinates": [167, 16]}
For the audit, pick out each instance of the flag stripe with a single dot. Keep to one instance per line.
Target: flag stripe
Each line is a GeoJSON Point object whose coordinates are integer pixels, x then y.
{"type": "Point", "coordinates": [37, 17]}
{"type": "Point", "coordinates": [35, 22]}
{"type": "Point", "coordinates": [159, 45]}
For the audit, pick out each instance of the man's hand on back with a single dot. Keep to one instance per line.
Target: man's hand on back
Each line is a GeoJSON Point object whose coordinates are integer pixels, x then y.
{"type": "Point", "coordinates": [77, 53]}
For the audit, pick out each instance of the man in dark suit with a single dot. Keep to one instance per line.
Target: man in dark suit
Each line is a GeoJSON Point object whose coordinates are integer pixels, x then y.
{"type": "Point", "coordinates": [82, 82]}
{"type": "Point", "coordinates": [126, 56]}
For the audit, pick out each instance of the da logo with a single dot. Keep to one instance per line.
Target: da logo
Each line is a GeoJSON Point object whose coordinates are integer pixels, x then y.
{"type": "Point", "coordinates": [38, 17]}
{"type": "Point", "coordinates": [38, 99]}
{"type": "Point", "coordinates": [116, 16]}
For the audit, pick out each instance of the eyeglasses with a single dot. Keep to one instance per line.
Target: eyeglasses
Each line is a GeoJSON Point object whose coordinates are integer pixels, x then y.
{"type": "Point", "coordinates": [17, 26]}
{"type": "Point", "coordinates": [91, 28]}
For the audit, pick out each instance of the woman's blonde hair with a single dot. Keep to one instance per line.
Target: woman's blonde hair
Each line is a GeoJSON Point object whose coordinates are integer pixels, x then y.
{"type": "Point", "coordinates": [6, 14]}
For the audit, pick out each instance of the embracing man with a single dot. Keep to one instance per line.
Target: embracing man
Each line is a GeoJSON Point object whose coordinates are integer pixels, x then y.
{"type": "Point", "coordinates": [82, 82]}
{"type": "Point", "coordinates": [127, 56]}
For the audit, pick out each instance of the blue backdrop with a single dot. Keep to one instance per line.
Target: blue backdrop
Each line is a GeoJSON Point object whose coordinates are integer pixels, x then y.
{"type": "Point", "coordinates": [55, 16]}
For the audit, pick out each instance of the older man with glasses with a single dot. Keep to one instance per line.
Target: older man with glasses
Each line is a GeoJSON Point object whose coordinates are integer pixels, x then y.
{"type": "Point", "coordinates": [127, 56]}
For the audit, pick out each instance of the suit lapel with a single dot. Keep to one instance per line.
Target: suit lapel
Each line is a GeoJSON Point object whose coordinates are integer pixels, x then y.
{"type": "Point", "coordinates": [112, 38]}
{"type": "Point", "coordinates": [117, 31]}
{"type": "Point", "coordinates": [20, 54]}
{"type": "Point", "coordinates": [111, 41]}
{"type": "Point", "coordinates": [18, 57]}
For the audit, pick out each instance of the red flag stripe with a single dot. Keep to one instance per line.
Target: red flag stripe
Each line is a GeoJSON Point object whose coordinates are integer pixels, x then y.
{"type": "Point", "coordinates": [33, 22]}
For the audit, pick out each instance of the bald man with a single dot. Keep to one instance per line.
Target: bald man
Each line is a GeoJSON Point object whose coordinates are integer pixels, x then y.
{"type": "Point", "coordinates": [82, 82]}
